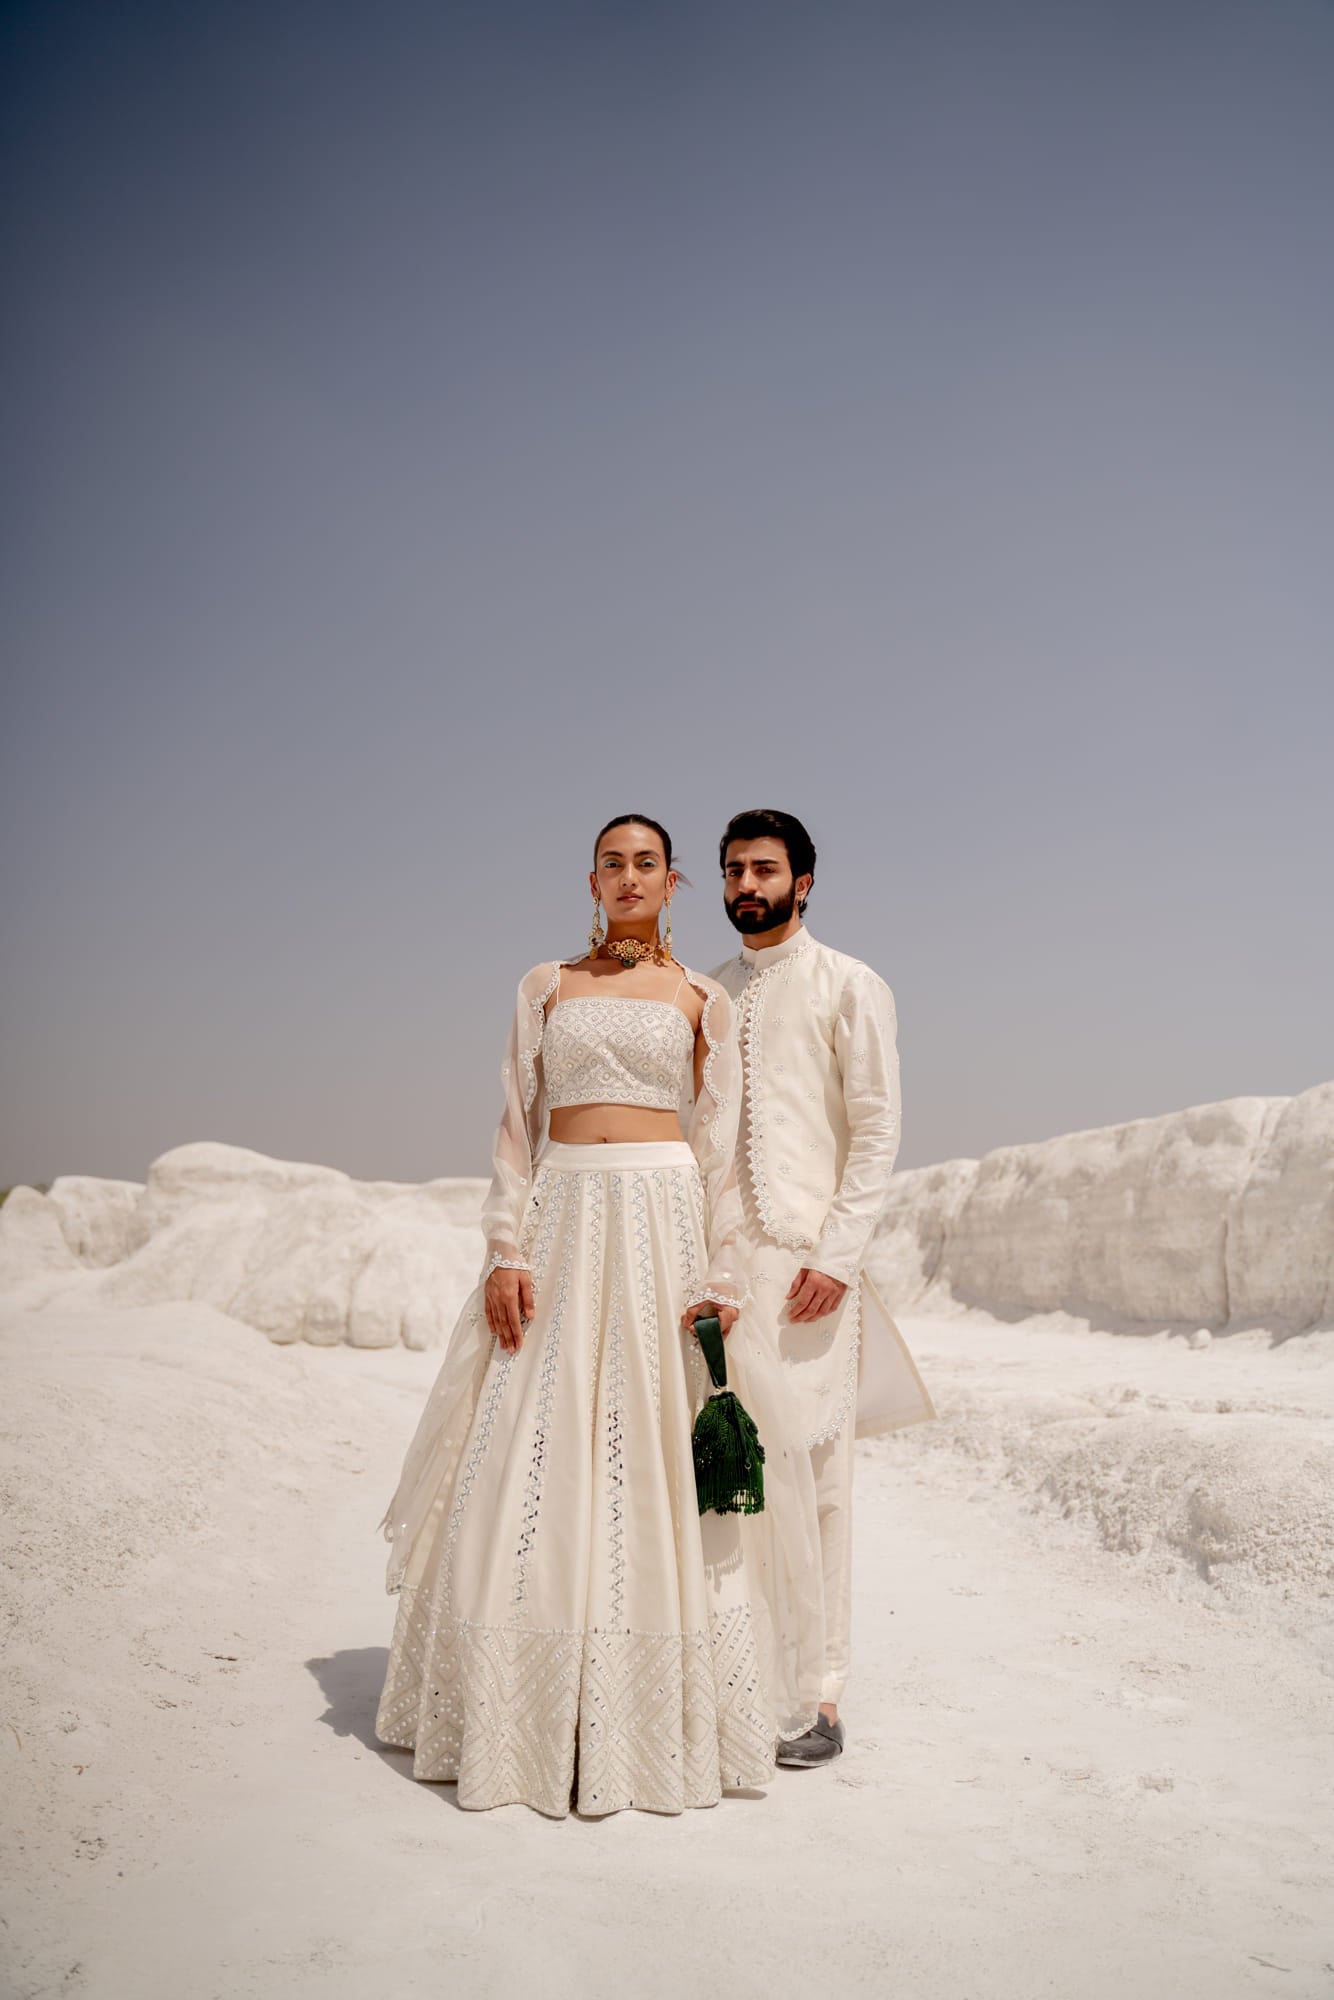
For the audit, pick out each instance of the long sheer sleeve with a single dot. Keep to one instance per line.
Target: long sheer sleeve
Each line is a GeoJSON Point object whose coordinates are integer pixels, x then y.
{"type": "Point", "coordinates": [412, 1520]}
{"type": "Point", "coordinates": [522, 1120]}
{"type": "Point", "coordinates": [711, 1129]}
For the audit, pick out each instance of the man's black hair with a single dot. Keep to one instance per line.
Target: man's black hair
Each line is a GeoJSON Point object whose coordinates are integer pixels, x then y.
{"type": "Point", "coordinates": [764, 824]}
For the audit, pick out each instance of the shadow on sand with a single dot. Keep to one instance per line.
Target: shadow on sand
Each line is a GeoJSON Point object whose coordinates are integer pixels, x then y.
{"type": "Point", "coordinates": [350, 1683]}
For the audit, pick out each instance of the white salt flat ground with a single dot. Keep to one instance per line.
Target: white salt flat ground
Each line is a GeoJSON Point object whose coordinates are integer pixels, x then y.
{"type": "Point", "coordinates": [1090, 1757]}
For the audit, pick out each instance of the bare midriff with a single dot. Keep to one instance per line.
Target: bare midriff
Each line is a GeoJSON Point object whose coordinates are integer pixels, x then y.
{"type": "Point", "coordinates": [612, 1125]}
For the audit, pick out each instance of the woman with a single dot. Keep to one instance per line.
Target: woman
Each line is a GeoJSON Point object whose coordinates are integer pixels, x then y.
{"type": "Point", "coordinates": [568, 1624]}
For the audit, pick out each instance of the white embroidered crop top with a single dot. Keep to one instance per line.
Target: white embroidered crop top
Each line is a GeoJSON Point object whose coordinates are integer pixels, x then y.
{"type": "Point", "coordinates": [605, 1051]}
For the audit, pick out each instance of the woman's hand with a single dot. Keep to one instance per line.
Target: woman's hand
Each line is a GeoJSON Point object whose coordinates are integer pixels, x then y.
{"type": "Point", "coordinates": [727, 1315]}
{"type": "Point", "coordinates": [509, 1306]}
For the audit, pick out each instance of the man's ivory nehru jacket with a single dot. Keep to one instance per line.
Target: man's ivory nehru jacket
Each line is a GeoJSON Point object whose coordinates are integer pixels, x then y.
{"type": "Point", "coordinates": [819, 1135]}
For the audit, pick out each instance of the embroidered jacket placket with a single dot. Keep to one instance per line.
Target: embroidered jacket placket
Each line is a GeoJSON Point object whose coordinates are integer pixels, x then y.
{"type": "Point", "coordinates": [755, 1178]}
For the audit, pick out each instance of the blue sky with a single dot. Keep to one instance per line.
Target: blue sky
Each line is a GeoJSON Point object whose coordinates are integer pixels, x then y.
{"type": "Point", "coordinates": [433, 429]}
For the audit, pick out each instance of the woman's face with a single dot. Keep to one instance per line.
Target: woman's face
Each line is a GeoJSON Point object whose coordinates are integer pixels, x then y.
{"type": "Point", "coordinates": [631, 876]}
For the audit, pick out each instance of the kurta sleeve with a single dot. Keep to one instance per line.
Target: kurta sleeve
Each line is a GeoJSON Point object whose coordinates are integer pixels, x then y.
{"type": "Point", "coordinates": [711, 1129]}
{"type": "Point", "coordinates": [865, 1045]}
{"type": "Point", "coordinates": [522, 1120]}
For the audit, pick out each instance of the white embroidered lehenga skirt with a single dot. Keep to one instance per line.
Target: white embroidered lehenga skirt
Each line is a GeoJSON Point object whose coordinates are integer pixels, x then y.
{"type": "Point", "coordinates": [569, 1630]}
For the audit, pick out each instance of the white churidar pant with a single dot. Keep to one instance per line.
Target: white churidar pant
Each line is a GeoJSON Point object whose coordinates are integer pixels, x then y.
{"type": "Point", "coordinates": [819, 1362]}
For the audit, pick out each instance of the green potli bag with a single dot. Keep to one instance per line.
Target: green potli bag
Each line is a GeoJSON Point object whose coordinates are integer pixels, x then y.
{"type": "Point", "coordinates": [729, 1458]}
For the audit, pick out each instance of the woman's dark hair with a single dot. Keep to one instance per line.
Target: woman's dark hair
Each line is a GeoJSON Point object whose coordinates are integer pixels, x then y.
{"type": "Point", "coordinates": [636, 819]}
{"type": "Point", "coordinates": [763, 824]}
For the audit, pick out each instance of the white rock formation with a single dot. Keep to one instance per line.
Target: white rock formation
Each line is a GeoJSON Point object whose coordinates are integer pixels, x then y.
{"type": "Point", "coordinates": [301, 1252]}
{"type": "Point", "coordinates": [1221, 1216]}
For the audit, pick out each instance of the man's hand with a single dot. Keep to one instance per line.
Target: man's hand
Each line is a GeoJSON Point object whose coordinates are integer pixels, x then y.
{"type": "Point", "coordinates": [727, 1315]}
{"type": "Point", "coordinates": [509, 1305]}
{"type": "Point", "coordinates": [811, 1295]}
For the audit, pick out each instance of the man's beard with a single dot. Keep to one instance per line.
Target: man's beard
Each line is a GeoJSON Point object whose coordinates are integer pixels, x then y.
{"type": "Point", "coordinates": [766, 917]}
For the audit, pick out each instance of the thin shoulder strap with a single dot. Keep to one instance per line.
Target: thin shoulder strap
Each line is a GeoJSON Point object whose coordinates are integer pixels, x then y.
{"type": "Point", "coordinates": [679, 984]}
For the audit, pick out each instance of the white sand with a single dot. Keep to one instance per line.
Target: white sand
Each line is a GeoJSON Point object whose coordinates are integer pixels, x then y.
{"type": "Point", "coordinates": [1090, 1755]}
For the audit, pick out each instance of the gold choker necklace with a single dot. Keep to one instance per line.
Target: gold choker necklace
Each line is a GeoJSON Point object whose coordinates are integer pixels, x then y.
{"type": "Point", "coordinates": [630, 950]}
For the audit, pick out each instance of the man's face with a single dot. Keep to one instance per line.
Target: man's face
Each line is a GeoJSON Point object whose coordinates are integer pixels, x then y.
{"type": "Point", "coordinates": [759, 893]}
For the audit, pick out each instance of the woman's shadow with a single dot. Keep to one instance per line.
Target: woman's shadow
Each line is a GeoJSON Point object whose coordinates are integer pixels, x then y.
{"type": "Point", "coordinates": [350, 1683]}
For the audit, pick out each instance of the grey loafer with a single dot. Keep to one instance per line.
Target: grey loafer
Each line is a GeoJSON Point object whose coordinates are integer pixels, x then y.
{"type": "Point", "coordinates": [818, 1746]}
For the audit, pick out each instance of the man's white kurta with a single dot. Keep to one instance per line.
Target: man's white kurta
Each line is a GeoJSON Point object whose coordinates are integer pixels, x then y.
{"type": "Point", "coordinates": [819, 1136]}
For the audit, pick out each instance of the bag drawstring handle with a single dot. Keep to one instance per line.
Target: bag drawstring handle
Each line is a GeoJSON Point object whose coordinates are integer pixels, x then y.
{"type": "Point", "coordinates": [709, 1334]}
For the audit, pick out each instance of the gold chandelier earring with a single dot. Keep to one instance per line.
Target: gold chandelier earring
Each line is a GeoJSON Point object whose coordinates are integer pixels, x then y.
{"type": "Point", "coordinates": [667, 940]}
{"type": "Point", "coordinates": [596, 932]}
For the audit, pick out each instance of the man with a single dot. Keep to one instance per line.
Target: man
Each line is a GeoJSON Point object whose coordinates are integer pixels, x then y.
{"type": "Point", "coordinates": [819, 1133]}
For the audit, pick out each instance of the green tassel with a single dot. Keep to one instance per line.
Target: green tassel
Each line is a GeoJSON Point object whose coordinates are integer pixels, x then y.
{"type": "Point", "coordinates": [729, 1458]}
